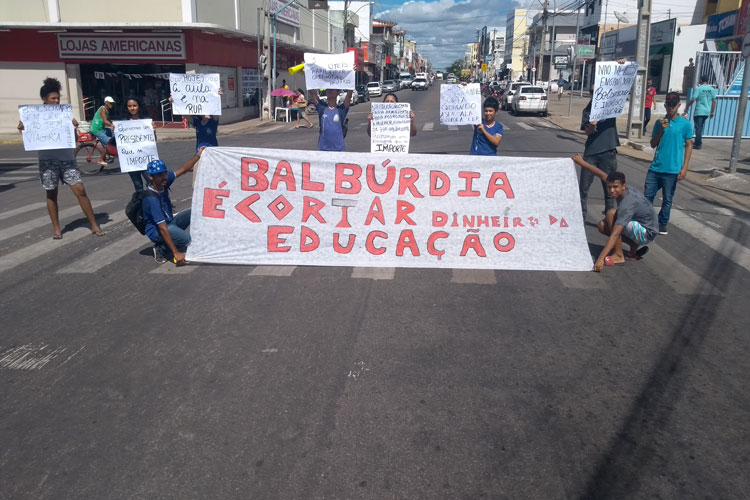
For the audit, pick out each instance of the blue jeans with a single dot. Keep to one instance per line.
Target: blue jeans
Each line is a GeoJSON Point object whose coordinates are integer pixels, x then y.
{"type": "Point", "coordinates": [103, 136]}
{"type": "Point", "coordinates": [667, 183]}
{"type": "Point", "coordinates": [180, 237]}
{"type": "Point", "coordinates": [699, 121]}
{"type": "Point", "coordinates": [137, 180]}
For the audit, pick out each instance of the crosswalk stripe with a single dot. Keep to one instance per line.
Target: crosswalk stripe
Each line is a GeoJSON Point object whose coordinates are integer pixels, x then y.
{"type": "Point", "coordinates": [22, 159]}
{"type": "Point", "coordinates": [106, 255]}
{"type": "Point", "coordinates": [12, 179]}
{"type": "Point", "coordinates": [453, 127]}
{"type": "Point", "coordinates": [169, 268]}
{"type": "Point", "coordinates": [677, 275]}
{"type": "Point", "coordinates": [24, 227]}
{"type": "Point", "coordinates": [429, 126]}
{"type": "Point", "coordinates": [13, 259]}
{"type": "Point", "coordinates": [474, 276]}
{"type": "Point", "coordinates": [525, 126]}
{"type": "Point", "coordinates": [582, 281]}
{"type": "Point", "coordinates": [272, 271]}
{"type": "Point", "coordinates": [21, 210]}
{"type": "Point", "coordinates": [272, 129]}
{"type": "Point", "coordinates": [374, 273]}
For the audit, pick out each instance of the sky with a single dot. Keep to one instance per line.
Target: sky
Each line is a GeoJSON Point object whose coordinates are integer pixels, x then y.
{"type": "Point", "coordinates": [442, 28]}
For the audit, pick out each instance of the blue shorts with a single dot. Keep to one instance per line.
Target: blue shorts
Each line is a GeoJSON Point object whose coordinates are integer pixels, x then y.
{"type": "Point", "coordinates": [635, 232]}
{"type": "Point", "coordinates": [102, 136]}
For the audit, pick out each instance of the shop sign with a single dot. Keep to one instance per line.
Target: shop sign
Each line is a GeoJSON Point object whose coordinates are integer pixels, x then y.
{"type": "Point", "coordinates": [663, 32]}
{"type": "Point", "coordinates": [289, 16]}
{"type": "Point", "coordinates": [251, 80]}
{"type": "Point", "coordinates": [586, 52]}
{"type": "Point", "coordinates": [721, 25]}
{"type": "Point", "coordinates": [118, 46]}
{"type": "Point", "coordinates": [561, 62]}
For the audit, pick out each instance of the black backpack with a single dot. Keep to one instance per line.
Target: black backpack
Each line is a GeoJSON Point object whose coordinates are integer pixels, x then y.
{"type": "Point", "coordinates": [344, 123]}
{"type": "Point", "coordinates": [134, 209]}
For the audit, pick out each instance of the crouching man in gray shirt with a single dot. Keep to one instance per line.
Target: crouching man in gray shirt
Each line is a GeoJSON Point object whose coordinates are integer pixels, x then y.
{"type": "Point", "coordinates": [634, 219]}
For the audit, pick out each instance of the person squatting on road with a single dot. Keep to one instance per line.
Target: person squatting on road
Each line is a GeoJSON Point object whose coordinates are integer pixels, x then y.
{"type": "Point", "coordinates": [391, 97]}
{"type": "Point", "coordinates": [331, 120]}
{"type": "Point", "coordinates": [489, 133]}
{"type": "Point", "coordinates": [59, 165]}
{"type": "Point", "coordinates": [672, 138]}
{"type": "Point", "coordinates": [633, 221]}
{"type": "Point", "coordinates": [165, 230]}
{"type": "Point", "coordinates": [102, 127]}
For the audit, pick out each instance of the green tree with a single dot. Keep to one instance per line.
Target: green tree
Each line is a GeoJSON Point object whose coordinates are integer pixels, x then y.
{"type": "Point", "coordinates": [455, 68]}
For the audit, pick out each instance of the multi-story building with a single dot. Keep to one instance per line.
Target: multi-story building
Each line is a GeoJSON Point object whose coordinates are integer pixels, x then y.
{"type": "Point", "coordinates": [382, 39]}
{"type": "Point", "coordinates": [560, 34]}
{"type": "Point", "coordinates": [517, 42]}
{"type": "Point", "coordinates": [497, 50]}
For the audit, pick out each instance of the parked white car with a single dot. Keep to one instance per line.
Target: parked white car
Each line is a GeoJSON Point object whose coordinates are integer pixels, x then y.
{"type": "Point", "coordinates": [530, 99]}
{"type": "Point", "coordinates": [342, 96]}
{"type": "Point", "coordinates": [510, 91]}
{"type": "Point", "coordinates": [375, 89]}
{"type": "Point", "coordinates": [419, 84]}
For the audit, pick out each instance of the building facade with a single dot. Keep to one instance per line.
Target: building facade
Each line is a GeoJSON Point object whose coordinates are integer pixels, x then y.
{"type": "Point", "coordinates": [516, 43]}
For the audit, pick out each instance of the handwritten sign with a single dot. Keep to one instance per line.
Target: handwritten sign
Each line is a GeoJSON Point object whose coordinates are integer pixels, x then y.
{"type": "Point", "coordinates": [47, 126]}
{"type": "Point", "coordinates": [612, 85]}
{"type": "Point", "coordinates": [287, 207]}
{"type": "Point", "coordinates": [195, 94]}
{"type": "Point", "coordinates": [329, 71]}
{"type": "Point", "coordinates": [391, 127]}
{"type": "Point", "coordinates": [136, 144]}
{"type": "Point", "coordinates": [460, 104]}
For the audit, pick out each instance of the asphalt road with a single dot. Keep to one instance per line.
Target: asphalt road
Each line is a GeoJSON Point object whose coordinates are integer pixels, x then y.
{"type": "Point", "coordinates": [123, 379]}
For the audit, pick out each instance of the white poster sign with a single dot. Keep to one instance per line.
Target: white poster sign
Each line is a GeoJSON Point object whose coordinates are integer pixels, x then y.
{"type": "Point", "coordinates": [612, 84]}
{"type": "Point", "coordinates": [391, 127]}
{"type": "Point", "coordinates": [47, 126]}
{"type": "Point", "coordinates": [287, 207]}
{"type": "Point", "coordinates": [195, 94]}
{"type": "Point", "coordinates": [460, 104]}
{"type": "Point", "coordinates": [136, 144]}
{"type": "Point", "coordinates": [329, 71]}
{"type": "Point", "coordinates": [290, 15]}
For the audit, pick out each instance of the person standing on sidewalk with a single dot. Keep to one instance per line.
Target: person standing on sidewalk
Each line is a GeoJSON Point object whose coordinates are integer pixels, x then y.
{"type": "Point", "coordinates": [705, 97]}
{"type": "Point", "coordinates": [650, 94]}
{"type": "Point", "coordinates": [672, 138]}
{"type": "Point", "coordinates": [301, 103]}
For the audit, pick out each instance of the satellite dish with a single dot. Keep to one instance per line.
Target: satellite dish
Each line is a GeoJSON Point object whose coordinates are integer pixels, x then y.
{"type": "Point", "coordinates": [621, 17]}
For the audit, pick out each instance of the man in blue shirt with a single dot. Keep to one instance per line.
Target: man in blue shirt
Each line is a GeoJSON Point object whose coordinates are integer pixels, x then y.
{"type": "Point", "coordinates": [672, 137]}
{"type": "Point", "coordinates": [165, 230]}
{"type": "Point", "coordinates": [489, 133]}
{"type": "Point", "coordinates": [705, 99]}
{"type": "Point", "coordinates": [332, 119]}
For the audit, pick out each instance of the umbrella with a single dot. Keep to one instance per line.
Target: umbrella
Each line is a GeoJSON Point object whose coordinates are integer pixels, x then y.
{"type": "Point", "coordinates": [282, 93]}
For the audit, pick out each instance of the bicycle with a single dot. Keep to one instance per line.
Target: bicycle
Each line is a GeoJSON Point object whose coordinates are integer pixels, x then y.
{"type": "Point", "coordinates": [89, 151]}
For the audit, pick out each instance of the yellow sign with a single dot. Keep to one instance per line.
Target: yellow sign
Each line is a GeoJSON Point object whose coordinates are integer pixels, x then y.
{"type": "Point", "coordinates": [484, 66]}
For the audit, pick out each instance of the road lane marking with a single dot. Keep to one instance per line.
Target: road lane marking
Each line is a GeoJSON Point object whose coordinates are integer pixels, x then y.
{"type": "Point", "coordinates": [677, 275]}
{"type": "Point", "coordinates": [99, 258]}
{"type": "Point", "coordinates": [171, 268]}
{"type": "Point", "coordinates": [582, 280]}
{"type": "Point", "coordinates": [32, 356]}
{"type": "Point", "coordinates": [272, 271]}
{"type": "Point", "coordinates": [22, 210]}
{"type": "Point", "coordinates": [374, 273]}
{"type": "Point", "coordinates": [474, 276]}
{"type": "Point", "coordinates": [44, 220]}
{"type": "Point", "coordinates": [525, 126]}
{"type": "Point", "coordinates": [429, 126]}
{"type": "Point", "coordinates": [273, 129]}
{"type": "Point", "coordinates": [453, 127]}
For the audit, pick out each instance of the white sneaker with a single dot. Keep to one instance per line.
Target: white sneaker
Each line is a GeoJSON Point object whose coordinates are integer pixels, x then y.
{"type": "Point", "coordinates": [158, 257]}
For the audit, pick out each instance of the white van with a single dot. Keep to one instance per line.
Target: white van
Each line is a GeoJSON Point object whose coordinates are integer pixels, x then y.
{"type": "Point", "coordinates": [374, 89]}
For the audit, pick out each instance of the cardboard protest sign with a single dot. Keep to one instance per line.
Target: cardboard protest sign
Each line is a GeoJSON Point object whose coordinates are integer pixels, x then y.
{"type": "Point", "coordinates": [329, 71]}
{"type": "Point", "coordinates": [195, 94]}
{"type": "Point", "coordinates": [460, 104]}
{"type": "Point", "coordinates": [47, 126]}
{"type": "Point", "coordinates": [136, 144]}
{"type": "Point", "coordinates": [612, 85]}
{"type": "Point", "coordinates": [265, 206]}
{"type": "Point", "coordinates": [391, 127]}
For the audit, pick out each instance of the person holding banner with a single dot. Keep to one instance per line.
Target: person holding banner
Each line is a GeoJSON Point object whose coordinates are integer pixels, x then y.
{"type": "Point", "coordinates": [331, 120]}
{"type": "Point", "coordinates": [59, 165]}
{"type": "Point", "coordinates": [102, 127]}
{"type": "Point", "coordinates": [633, 221]}
{"type": "Point", "coordinates": [391, 97]}
{"type": "Point", "coordinates": [601, 151]}
{"type": "Point", "coordinates": [134, 111]}
{"type": "Point", "coordinates": [489, 133]}
{"type": "Point", "coordinates": [164, 229]}
{"type": "Point", "coordinates": [206, 128]}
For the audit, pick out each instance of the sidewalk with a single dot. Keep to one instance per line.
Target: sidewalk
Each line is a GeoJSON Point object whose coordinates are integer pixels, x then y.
{"type": "Point", "coordinates": [708, 166]}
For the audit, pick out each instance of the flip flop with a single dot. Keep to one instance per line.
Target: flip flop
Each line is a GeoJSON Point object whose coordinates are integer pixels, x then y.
{"type": "Point", "coordinates": [97, 233]}
{"type": "Point", "coordinates": [608, 261]}
{"type": "Point", "coordinates": [638, 255]}
{"type": "Point", "coordinates": [57, 236]}
{"type": "Point", "coordinates": [102, 163]}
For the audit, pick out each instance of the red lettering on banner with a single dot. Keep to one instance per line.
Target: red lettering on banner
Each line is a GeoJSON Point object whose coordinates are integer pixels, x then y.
{"type": "Point", "coordinates": [372, 183]}
{"type": "Point", "coordinates": [439, 219]}
{"type": "Point", "coordinates": [283, 173]}
{"type": "Point", "coordinates": [483, 220]}
{"type": "Point", "coordinates": [507, 247]}
{"type": "Point", "coordinates": [307, 184]}
{"type": "Point", "coordinates": [259, 176]}
{"type": "Point", "coordinates": [469, 177]}
{"type": "Point", "coordinates": [337, 246]}
{"type": "Point", "coordinates": [468, 221]}
{"type": "Point", "coordinates": [375, 212]}
{"type": "Point", "coordinates": [472, 242]}
{"type": "Point", "coordinates": [517, 222]}
{"type": "Point", "coordinates": [243, 207]}
{"type": "Point", "coordinates": [370, 244]}
{"type": "Point", "coordinates": [212, 200]}
{"type": "Point", "coordinates": [351, 178]}
{"type": "Point", "coordinates": [431, 249]}
{"type": "Point", "coordinates": [275, 238]}
{"type": "Point", "coordinates": [403, 209]}
{"type": "Point", "coordinates": [308, 240]}
{"type": "Point", "coordinates": [563, 223]}
{"type": "Point", "coordinates": [406, 240]}
{"type": "Point", "coordinates": [344, 222]}
{"type": "Point", "coordinates": [496, 221]}
{"type": "Point", "coordinates": [445, 183]}
{"type": "Point", "coordinates": [504, 186]}
{"type": "Point", "coordinates": [406, 180]}
{"type": "Point", "coordinates": [312, 207]}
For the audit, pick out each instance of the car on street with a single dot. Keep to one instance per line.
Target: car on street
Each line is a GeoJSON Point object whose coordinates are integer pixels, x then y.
{"type": "Point", "coordinates": [390, 86]}
{"type": "Point", "coordinates": [364, 94]}
{"type": "Point", "coordinates": [510, 91]}
{"type": "Point", "coordinates": [419, 84]}
{"type": "Point", "coordinates": [374, 89]}
{"type": "Point", "coordinates": [342, 96]}
{"type": "Point", "coordinates": [530, 99]}
{"type": "Point", "coordinates": [406, 82]}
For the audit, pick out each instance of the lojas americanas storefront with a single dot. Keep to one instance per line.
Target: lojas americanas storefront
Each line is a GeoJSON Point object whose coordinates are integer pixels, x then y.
{"type": "Point", "coordinates": [92, 64]}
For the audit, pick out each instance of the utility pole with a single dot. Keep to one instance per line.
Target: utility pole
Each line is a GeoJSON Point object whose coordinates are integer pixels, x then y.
{"type": "Point", "coordinates": [739, 123]}
{"type": "Point", "coordinates": [643, 35]}
{"type": "Point", "coordinates": [544, 36]}
{"type": "Point", "coordinates": [575, 60]}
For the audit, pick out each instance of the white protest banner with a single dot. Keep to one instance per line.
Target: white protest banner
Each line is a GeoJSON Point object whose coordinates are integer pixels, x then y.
{"type": "Point", "coordinates": [47, 126]}
{"type": "Point", "coordinates": [329, 71]}
{"type": "Point", "coordinates": [136, 144]}
{"type": "Point", "coordinates": [460, 104]}
{"type": "Point", "coordinates": [195, 94]}
{"type": "Point", "coordinates": [612, 84]}
{"type": "Point", "coordinates": [391, 127]}
{"type": "Point", "coordinates": [266, 206]}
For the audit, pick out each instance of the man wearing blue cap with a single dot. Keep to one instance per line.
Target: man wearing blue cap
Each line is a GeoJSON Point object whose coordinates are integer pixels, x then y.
{"type": "Point", "coordinates": [162, 227]}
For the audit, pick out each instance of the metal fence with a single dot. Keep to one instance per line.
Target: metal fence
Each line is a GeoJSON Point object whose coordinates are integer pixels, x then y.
{"type": "Point", "coordinates": [719, 67]}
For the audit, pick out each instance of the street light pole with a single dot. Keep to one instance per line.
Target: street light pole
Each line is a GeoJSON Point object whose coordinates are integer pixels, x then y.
{"type": "Point", "coordinates": [739, 123]}
{"type": "Point", "coordinates": [575, 60]}
{"type": "Point", "coordinates": [635, 111]}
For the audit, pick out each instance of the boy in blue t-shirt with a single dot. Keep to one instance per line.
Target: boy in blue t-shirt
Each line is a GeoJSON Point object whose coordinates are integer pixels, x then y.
{"type": "Point", "coordinates": [489, 133]}
{"type": "Point", "coordinates": [672, 137]}
{"type": "Point", "coordinates": [166, 231]}
{"type": "Point", "coordinates": [332, 119]}
{"type": "Point", "coordinates": [705, 97]}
